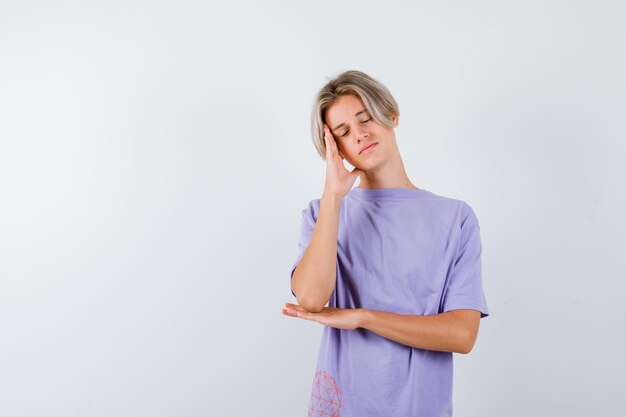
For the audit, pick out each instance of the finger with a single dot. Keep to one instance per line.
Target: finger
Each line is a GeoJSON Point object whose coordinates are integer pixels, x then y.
{"type": "Point", "coordinates": [328, 145]}
{"type": "Point", "coordinates": [294, 313]}
{"type": "Point", "coordinates": [328, 134]}
{"type": "Point", "coordinates": [331, 140]}
{"type": "Point", "coordinates": [295, 307]}
{"type": "Point", "coordinates": [327, 130]}
{"type": "Point", "coordinates": [291, 314]}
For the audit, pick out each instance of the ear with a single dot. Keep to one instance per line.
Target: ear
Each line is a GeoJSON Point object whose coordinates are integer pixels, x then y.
{"type": "Point", "coordinates": [395, 119]}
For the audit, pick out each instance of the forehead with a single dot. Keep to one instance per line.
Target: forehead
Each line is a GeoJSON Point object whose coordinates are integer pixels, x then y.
{"type": "Point", "coordinates": [344, 109]}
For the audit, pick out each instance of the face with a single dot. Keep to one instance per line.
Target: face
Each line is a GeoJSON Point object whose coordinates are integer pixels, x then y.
{"type": "Point", "coordinates": [354, 128]}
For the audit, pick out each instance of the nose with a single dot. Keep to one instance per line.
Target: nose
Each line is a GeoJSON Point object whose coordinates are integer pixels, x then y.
{"type": "Point", "coordinates": [361, 133]}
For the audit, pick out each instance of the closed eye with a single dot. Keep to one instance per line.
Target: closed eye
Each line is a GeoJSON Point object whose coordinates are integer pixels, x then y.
{"type": "Point", "coordinates": [348, 131]}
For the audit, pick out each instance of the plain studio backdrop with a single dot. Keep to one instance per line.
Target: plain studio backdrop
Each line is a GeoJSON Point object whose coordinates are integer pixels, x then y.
{"type": "Point", "coordinates": [155, 158]}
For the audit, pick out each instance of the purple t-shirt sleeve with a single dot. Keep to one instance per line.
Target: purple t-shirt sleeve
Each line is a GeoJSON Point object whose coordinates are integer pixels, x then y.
{"type": "Point", "coordinates": [463, 289]}
{"type": "Point", "coordinates": [307, 225]}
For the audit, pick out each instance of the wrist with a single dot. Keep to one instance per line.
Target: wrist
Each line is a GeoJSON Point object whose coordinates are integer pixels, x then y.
{"type": "Point", "coordinates": [331, 198]}
{"type": "Point", "coordinates": [364, 316]}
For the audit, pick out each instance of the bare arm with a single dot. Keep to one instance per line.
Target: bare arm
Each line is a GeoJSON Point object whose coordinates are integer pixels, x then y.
{"type": "Point", "coordinates": [315, 276]}
{"type": "Point", "coordinates": [453, 331]}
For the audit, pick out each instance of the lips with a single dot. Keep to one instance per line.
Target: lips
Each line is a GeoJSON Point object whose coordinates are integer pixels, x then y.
{"type": "Point", "coordinates": [368, 147]}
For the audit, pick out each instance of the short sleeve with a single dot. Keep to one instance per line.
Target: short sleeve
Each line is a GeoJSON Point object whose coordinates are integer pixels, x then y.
{"type": "Point", "coordinates": [463, 289]}
{"type": "Point", "coordinates": [307, 225]}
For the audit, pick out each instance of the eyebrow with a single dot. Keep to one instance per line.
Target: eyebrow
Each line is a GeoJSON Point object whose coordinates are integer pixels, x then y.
{"type": "Point", "coordinates": [356, 114]}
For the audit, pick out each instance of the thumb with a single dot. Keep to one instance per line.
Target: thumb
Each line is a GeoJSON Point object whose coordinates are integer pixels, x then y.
{"type": "Point", "coordinates": [356, 172]}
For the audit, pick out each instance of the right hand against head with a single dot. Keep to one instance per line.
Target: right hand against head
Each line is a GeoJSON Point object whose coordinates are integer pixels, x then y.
{"type": "Point", "coordinates": [339, 180]}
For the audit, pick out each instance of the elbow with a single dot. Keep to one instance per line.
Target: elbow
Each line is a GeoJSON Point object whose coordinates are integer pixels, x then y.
{"type": "Point", "coordinates": [467, 345]}
{"type": "Point", "coordinates": [308, 299]}
{"type": "Point", "coordinates": [311, 305]}
{"type": "Point", "coordinates": [463, 349]}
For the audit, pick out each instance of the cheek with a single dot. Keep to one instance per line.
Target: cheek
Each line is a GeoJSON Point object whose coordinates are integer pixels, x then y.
{"type": "Point", "coordinates": [341, 148]}
{"type": "Point", "coordinates": [349, 153]}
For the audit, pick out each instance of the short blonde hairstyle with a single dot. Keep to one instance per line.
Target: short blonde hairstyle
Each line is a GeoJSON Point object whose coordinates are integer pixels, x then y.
{"type": "Point", "coordinates": [375, 96]}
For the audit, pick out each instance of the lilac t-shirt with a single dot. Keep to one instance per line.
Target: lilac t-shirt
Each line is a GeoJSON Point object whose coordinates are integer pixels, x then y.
{"type": "Point", "coordinates": [407, 252]}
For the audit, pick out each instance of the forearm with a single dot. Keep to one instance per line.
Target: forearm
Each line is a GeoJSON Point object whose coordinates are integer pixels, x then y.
{"type": "Point", "coordinates": [441, 332]}
{"type": "Point", "coordinates": [316, 274]}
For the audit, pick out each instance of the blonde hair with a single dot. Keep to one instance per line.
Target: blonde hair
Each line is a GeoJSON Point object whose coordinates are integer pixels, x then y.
{"type": "Point", "coordinates": [375, 97]}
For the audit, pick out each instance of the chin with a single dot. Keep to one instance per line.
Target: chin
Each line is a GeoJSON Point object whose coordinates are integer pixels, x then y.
{"type": "Point", "coordinates": [369, 164]}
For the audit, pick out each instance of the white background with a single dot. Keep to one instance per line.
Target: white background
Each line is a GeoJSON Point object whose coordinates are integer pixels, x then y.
{"type": "Point", "coordinates": [155, 158]}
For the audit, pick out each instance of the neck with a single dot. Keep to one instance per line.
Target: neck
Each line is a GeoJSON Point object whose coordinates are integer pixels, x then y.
{"type": "Point", "coordinates": [388, 176]}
